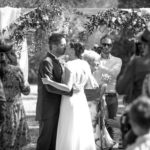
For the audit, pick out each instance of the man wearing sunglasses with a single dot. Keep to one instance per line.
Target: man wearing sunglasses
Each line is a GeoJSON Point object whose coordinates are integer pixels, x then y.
{"type": "Point", "coordinates": [107, 73]}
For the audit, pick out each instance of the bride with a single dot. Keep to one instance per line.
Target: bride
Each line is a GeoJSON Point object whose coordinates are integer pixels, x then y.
{"type": "Point", "coordinates": [75, 130]}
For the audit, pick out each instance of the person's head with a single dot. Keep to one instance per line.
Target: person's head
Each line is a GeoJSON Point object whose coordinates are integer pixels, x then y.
{"type": "Point", "coordinates": [97, 48]}
{"type": "Point", "coordinates": [144, 39]}
{"type": "Point", "coordinates": [139, 114]}
{"type": "Point", "coordinates": [106, 44]}
{"type": "Point", "coordinates": [75, 50]}
{"type": "Point", "coordinates": [92, 58]}
{"type": "Point", "coordinates": [138, 49]}
{"type": "Point", "coordinates": [5, 49]}
{"type": "Point", "coordinates": [57, 44]}
{"type": "Point", "coordinates": [12, 58]}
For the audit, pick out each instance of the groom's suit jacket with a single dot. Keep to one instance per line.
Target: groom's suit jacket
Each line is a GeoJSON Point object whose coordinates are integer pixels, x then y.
{"type": "Point", "coordinates": [49, 98]}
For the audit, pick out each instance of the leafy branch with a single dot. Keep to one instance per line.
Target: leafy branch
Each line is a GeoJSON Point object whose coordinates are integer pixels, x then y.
{"type": "Point", "coordinates": [131, 22]}
{"type": "Point", "coordinates": [35, 20]}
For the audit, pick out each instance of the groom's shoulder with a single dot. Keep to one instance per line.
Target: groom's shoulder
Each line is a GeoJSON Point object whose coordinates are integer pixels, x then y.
{"type": "Point", "coordinates": [46, 60]}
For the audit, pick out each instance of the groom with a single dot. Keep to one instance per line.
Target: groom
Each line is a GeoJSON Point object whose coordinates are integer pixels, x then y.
{"type": "Point", "coordinates": [49, 98]}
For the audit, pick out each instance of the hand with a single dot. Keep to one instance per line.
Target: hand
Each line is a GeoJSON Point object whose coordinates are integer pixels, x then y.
{"type": "Point", "coordinates": [113, 123]}
{"type": "Point", "coordinates": [26, 83]}
{"type": "Point", "coordinates": [76, 88]}
{"type": "Point", "coordinates": [95, 85]}
{"type": "Point", "coordinates": [46, 80]}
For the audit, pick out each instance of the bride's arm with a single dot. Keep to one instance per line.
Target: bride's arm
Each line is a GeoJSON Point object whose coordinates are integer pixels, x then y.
{"type": "Point", "coordinates": [66, 86]}
{"type": "Point", "coordinates": [57, 85]}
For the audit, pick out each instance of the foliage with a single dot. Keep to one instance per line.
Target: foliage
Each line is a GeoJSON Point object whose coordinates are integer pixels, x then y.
{"type": "Point", "coordinates": [37, 19]}
{"type": "Point", "coordinates": [42, 21]}
{"type": "Point", "coordinates": [49, 15]}
{"type": "Point", "coordinates": [79, 3]}
{"type": "Point", "coordinates": [133, 4]}
{"type": "Point", "coordinates": [36, 25]}
{"type": "Point", "coordinates": [122, 25]}
{"type": "Point", "coordinates": [75, 26]}
{"type": "Point", "coordinates": [129, 22]}
{"type": "Point", "coordinates": [72, 3]}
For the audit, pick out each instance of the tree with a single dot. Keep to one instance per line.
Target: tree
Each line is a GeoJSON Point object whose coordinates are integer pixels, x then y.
{"type": "Point", "coordinates": [70, 3]}
{"type": "Point", "coordinates": [133, 4]}
{"type": "Point", "coordinates": [123, 24]}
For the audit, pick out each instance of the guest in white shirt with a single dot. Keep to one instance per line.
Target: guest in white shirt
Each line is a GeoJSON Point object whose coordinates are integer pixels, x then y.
{"type": "Point", "coordinates": [107, 73]}
{"type": "Point", "coordinates": [139, 115]}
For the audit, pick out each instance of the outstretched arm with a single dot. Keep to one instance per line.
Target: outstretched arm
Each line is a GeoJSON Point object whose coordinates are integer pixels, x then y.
{"type": "Point", "coordinates": [24, 87]}
{"type": "Point", "coordinates": [46, 69]}
{"type": "Point", "coordinates": [66, 86]}
{"type": "Point", "coordinates": [57, 85]}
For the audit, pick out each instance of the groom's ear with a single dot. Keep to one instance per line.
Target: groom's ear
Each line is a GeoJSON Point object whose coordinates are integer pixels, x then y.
{"type": "Point", "coordinates": [53, 47]}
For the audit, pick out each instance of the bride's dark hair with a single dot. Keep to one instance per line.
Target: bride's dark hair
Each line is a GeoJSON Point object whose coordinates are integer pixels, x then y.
{"type": "Point", "coordinates": [78, 48]}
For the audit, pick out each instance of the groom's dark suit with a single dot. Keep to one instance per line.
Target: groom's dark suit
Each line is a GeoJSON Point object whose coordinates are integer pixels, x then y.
{"type": "Point", "coordinates": [48, 103]}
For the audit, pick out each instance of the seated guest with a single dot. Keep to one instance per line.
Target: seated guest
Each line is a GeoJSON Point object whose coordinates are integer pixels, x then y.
{"type": "Point", "coordinates": [139, 114]}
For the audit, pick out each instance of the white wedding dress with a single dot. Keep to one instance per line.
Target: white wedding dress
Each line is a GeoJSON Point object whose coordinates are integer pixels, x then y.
{"type": "Point", "coordinates": [75, 130]}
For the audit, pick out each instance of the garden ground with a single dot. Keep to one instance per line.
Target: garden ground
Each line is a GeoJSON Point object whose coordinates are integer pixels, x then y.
{"type": "Point", "coordinates": [30, 105]}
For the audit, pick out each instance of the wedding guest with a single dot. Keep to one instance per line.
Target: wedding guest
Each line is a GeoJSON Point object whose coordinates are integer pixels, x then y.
{"type": "Point", "coordinates": [15, 132]}
{"type": "Point", "coordinates": [2, 98]}
{"type": "Point", "coordinates": [107, 73]}
{"type": "Point", "coordinates": [94, 101]}
{"type": "Point", "coordinates": [92, 58]}
{"type": "Point", "coordinates": [93, 94]}
{"type": "Point", "coordinates": [133, 77]}
{"type": "Point", "coordinates": [139, 114]}
{"type": "Point", "coordinates": [97, 48]}
{"type": "Point", "coordinates": [136, 70]}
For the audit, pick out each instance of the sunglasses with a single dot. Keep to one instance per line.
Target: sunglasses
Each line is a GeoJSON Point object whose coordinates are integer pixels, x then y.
{"type": "Point", "coordinates": [106, 44]}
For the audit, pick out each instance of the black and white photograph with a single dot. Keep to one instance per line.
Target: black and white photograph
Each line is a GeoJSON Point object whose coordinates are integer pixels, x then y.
{"type": "Point", "coordinates": [74, 75]}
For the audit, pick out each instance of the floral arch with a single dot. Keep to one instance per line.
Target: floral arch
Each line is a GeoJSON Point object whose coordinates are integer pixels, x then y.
{"type": "Point", "coordinates": [44, 21]}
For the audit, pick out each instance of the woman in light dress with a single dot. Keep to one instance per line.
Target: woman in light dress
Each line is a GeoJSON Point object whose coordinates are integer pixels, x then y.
{"type": "Point", "coordinates": [75, 130]}
{"type": "Point", "coordinates": [97, 104]}
{"type": "Point", "coordinates": [92, 95]}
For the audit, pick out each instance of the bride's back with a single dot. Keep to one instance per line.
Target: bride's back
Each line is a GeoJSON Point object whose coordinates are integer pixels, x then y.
{"type": "Point", "coordinates": [80, 71]}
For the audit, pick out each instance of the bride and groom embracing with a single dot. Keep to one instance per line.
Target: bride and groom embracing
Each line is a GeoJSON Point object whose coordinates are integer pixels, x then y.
{"type": "Point", "coordinates": [62, 108]}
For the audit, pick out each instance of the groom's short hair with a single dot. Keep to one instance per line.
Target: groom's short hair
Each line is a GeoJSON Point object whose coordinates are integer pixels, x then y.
{"type": "Point", "coordinates": [55, 39]}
